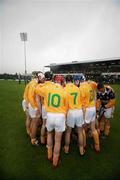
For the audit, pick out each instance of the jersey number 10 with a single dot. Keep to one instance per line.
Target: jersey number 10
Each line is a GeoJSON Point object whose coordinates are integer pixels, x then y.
{"type": "Point", "coordinates": [54, 100]}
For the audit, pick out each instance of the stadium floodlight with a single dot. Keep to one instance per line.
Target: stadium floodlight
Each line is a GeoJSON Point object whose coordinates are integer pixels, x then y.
{"type": "Point", "coordinates": [23, 36]}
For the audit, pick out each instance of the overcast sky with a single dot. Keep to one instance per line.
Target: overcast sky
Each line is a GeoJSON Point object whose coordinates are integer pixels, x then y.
{"type": "Point", "coordinates": [58, 32]}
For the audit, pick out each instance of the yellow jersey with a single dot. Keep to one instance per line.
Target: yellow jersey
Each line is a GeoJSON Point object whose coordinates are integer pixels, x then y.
{"type": "Point", "coordinates": [25, 95]}
{"type": "Point", "coordinates": [94, 87]}
{"type": "Point", "coordinates": [74, 101]}
{"type": "Point", "coordinates": [93, 84]}
{"type": "Point", "coordinates": [31, 94]}
{"type": "Point", "coordinates": [87, 95]}
{"type": "Point", "coordinates": [47, 83]}
{"type": "Point", "coordinates": [55, 98]}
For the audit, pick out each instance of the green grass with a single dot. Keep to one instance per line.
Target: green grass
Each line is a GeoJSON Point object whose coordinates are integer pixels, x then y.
{"type": "Point", "coordinates": [20, 160]}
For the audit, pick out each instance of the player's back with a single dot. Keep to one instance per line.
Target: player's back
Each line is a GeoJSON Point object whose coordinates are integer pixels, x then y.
{"type": "Point", "coordinates": [74, 100]}
{"type": "Point", "coordinates": [87, 95]}
{"type": "Point", "coordinates": [25, 94]}
{"type": "Point", "coordinates": [55, 98]}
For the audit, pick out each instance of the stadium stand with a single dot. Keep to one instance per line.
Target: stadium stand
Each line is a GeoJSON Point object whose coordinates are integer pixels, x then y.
{"type": "Point", "coordinates": [107, 70]}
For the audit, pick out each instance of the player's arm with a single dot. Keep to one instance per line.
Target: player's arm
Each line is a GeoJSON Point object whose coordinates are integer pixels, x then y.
{"type": "Point", "coordinates": [32, 98]}
{"type": "Point", "coordinates": [25, 98]}
{"type": "Point", "coordinates": [25, 95]}
{"type": "Point", "coordinates": [112, 99]}
{"type": "Point", "coordinates": [39, 92]}
{"type": "Point", "coordinates": [39, 105]}
{"type": "Point", "coordinates": [38, 100]}
{"type": "Point", "coordinates": [82, 96]}
{"type": "Point", "coordinates": [98, 102]}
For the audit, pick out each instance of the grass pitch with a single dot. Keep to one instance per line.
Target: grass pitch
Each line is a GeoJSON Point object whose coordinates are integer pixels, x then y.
{"type": "Point", "coordinates": [20, 160]}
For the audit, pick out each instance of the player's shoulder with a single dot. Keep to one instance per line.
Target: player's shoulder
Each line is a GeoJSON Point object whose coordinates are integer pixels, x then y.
{"type": "Point", "coordinates": [109, 89]}
{"type": "Point", "coordinates": [57, 85]}
{"type": "Point", "coordinates": [70, 87]}
{"type": "Point", "coordinates": [33, 82]}
{"type": "Point", "coordinates": [49, 86]}
{"type": "Point", "coordinates": [93, 84]}
{"type": "Point", "coordinates": [40, 85]}
{"type": "Point", "coordinates": [75, 88]}
{"type": "Point", "coordinates": [85, 85]}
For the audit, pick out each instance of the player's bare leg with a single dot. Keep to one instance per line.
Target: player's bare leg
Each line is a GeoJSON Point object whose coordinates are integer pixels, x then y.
{"type": "Point", "coordinates": [57, 147]}
{"type": "Point", "coordinates": [67, 139]}
{"type": "Point", "coordinates": [102, 124]}
{"type": "Point", "coordinates": [97, 125]}
{"type": "Point", "coordinates": [95, 137]}
{"type": "Point", "coordinates": [34, 125]}
{"type": "Point", "coordinates": [27, 124]}
{"type": "Point", "coordinates": [107, 127]}
{"type": "Point", "coordinates": [43, 132]}
{"type": "Point", "coordinates": [49, 145]}
{"type": "Point", "coordinates": [80, 140]}
{"type": "Point", "coordinates": [84, 138]}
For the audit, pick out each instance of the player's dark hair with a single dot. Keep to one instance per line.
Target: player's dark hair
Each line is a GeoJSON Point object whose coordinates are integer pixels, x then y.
{"type": "Point", "coordinates": [100, 85]}
{"type": "Point", "coordinates": [69, 78]}
{"type": "Point", "coordinates": [48, 75]}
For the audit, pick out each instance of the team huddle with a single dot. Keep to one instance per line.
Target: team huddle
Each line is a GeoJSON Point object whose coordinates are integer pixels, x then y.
{"type": "Point", "coordinates": [57, 105]}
